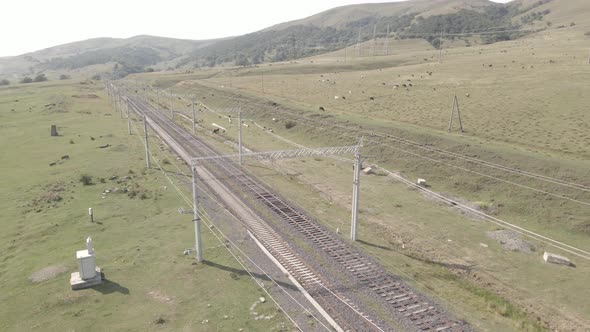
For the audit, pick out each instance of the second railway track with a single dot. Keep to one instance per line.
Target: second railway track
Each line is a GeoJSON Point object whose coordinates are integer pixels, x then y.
{"type": "Point", "coordinates": [409, 309]}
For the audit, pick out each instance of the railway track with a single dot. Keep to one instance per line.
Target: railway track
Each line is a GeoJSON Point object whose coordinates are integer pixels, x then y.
{"type": "Point", "coordinates": [413, 311]}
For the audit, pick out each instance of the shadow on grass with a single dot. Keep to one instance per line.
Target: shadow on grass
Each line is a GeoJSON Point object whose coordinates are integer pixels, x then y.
{"type": "Point", "coordinates": [108, 287]}
{"type": "Point", "coordinates": [375, 245]}
{"type": "Point", "coordinates": [245, 273]}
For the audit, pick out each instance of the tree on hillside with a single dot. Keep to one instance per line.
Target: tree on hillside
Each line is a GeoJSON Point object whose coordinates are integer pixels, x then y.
{"type": "Point", "coordinates": [26, 80]}
{"type": "Point", "coordinates": [40, 78]}
{"type": "Point", "coordinates": [4, 82]}
{"type": "Point", "coordinates": [242, 60]}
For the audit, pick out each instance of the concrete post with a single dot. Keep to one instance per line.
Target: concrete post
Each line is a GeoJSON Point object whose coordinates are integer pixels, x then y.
{"type": "Point", "coordinates": [240, 133]}
{"type": "Point", "coordinates": [193, 116]}
{"type": "Point", "coordinates": [171, 107]}
{"type": "Point", "coordinates": [91, 214]}
{"type": "Point", "coordinates": [128, 119]}
{"type": "Point", "coordinates": [147, 147]}
{"type": "Point", "coordinates": [355, 195]}
{"type": "Point", "coordinates": [196, 218]}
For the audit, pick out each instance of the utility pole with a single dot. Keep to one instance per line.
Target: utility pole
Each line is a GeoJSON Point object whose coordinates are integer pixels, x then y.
{"type": "Point", "coordinates": [440, 46]}
{"type": "Point", "coordinates": [345, 52]}
{"type": "Point", "coordinates": [128, 119]}
{"type": "Point", "coordinates": [240, 133]}
{"type": "Point", "coordinates": [114, 100]}
{"type": "Point", "coordinates": [355, 192]}
{"type": "Point", "coordinates": [196, 218]}
{"type": "Point", "coordinates": [455, 106]}
{"type": "Point", "coordinates": [358, 45]}
{"type": "Point", "coordinates": [118, 101]}
{"type": "Point", "coordinates": [374, 40]}
{"type": "Point", "coordinates": [262, 78]}
{"type": "Point", "coordinates": [193, 100]}
{"type": "Point", "coordinates": [387, 41]}
{"type": "Point", "coordinates": [171, 106]}
{"type": "Point", "coordinates": [147, 147]}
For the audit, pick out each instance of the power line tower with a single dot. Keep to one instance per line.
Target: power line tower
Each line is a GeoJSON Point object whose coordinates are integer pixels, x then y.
{"type": "Point", "coordinates": [455, 106]}
{"type": "Point", "coordinates": [198, 166]}
{"type": "Point", "coordinates": [358, 44]}
{"type": "Point", "coordinates": [387, 41]}
{"type": "Point", "coordinates": [440, 47]}
{"type": "Point", "coordinates": [374, 39]}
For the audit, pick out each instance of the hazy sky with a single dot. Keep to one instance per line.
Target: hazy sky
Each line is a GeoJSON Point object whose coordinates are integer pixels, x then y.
{"type": "Point", "coordinates": [30, 25]}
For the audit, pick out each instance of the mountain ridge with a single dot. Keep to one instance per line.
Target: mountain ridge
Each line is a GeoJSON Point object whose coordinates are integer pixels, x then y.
{"type": "Point", "coordinates": [326, 31]}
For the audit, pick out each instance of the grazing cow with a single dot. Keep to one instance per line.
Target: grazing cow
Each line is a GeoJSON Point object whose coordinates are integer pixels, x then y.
{"type": "Point", "coordinates": [322, 108]}
{"type": "Point", "coordinates": [216, 131]}
{"type": "Point", "coordinates": [371, 98]}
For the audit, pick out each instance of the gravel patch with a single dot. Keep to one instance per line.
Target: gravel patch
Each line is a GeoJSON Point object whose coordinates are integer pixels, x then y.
{"type": "Point", "coordinates": [511, 240]}
{"type": "Point", "coordinates": [47, 273]}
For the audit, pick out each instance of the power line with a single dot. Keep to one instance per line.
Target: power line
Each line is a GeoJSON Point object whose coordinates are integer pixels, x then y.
{"type": "Point", "coordinates": [493, 219]}
{"type": "Point", "coordinates": [465, 33]}
{"type": "Point", "coordinates": [243, 266]}
{"type": "Point", "coordinates": [220, 205]}
{"type": "Point", "coordinates": [518, 229]}
{"type": "Point", "coordinates": [204, 190]}
{"type": "Point", "coordinates": [484, 163]}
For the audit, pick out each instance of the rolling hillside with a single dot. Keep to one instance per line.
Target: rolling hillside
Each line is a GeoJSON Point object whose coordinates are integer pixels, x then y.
{"type": "Point", "coordinates": [324, 32]}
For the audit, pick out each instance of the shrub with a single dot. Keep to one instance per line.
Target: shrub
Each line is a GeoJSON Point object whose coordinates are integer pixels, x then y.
{"type": "Point", "coordinates": [64, 77]}
{"type": "Point", "coordinates": [96, 77]}
{"type": "Point", "coordinates": [290, 124]}
{"type": "Point", "coordinates": [4, 82]}
{"type": "Point", "coordinates": [40, 78]}
{"type": "Point", "coordinates": [86, 179]}
{"type": "Point", "coordinates": [26, 80]}
{"type": "Point", "coordinates": [149, 70]}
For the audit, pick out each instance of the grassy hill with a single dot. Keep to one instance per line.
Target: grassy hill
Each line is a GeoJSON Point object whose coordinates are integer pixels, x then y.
{"type": "Point", "coordinates": [134, 53]}
{"type": "Point", "coordinates": [523, 104]}
{"type": "Point", "coordinates": [325, 32]}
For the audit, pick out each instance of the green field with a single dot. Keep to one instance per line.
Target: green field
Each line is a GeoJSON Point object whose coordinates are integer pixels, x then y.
{"type": "Point", "coordinates": [138, 236]}
{"type": "Point", "coordinates": [524, 104]}
{"type": "Point", "coordinates": [532, 119]}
